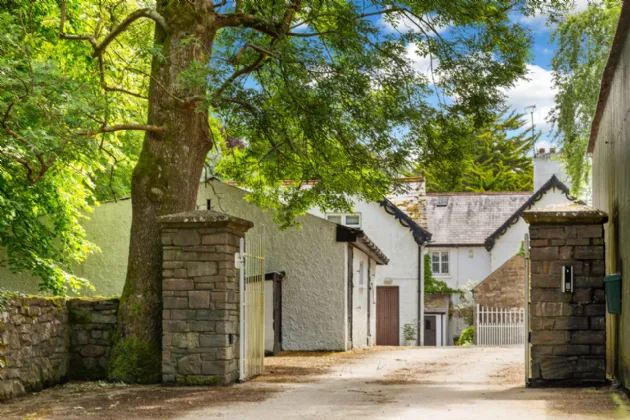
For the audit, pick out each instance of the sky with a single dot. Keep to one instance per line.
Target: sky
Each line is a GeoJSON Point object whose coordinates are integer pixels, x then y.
{"type": "Point", "coordinates": [537, 89]}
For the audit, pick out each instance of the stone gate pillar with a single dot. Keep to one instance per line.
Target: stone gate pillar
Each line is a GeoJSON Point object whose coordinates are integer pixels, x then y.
{"type": "Point", "coordinates": [200, 292]}
{"type": "Point", "coordinates": [568, 329]}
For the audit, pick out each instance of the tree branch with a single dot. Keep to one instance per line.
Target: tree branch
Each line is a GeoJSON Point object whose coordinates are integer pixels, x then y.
{"type": "Point", "coordinates": [122, 127]}
{"type": "Point", "coordinates": [141, 13]}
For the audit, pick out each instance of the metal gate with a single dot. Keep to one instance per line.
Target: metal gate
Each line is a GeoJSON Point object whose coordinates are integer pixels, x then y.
{"type": "Point", "coordinates": [500, 327]}
{"type": "Point", "coordinates": [251, 264]}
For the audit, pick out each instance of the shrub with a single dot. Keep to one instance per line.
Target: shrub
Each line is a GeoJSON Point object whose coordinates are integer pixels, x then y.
{"type": "Point", "coordinates": [467, 337]}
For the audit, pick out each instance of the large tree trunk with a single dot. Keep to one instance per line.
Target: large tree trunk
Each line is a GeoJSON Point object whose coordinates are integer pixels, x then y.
{"type": "Point", "coordinates": [165, 181]}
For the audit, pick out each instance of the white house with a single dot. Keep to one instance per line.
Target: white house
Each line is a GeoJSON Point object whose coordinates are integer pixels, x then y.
{"type": "Point", "coordinates": [476, 233]}
{"type": "Point", "coordinates": [400, 283]}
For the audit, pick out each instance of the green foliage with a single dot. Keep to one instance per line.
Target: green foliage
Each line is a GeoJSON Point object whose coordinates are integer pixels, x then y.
{"type": "Point", "coordinates": [134, 360]}
{"type": "Point", "coordinates": [409, 330]}
{"type": "Point", "coordinates": [467, 337]}
{"type": "Point", "coordinates": [583, 40]}
{"type": "Point", "coordinates": [431, 284]}
{"type": "Point", "coordinates": [52, 168]}
{"type": "Point", "coordinates": [492, 157]}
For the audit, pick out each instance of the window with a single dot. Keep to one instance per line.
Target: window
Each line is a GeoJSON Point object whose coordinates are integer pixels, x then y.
{"type": "Point", "coordinates": [439, 262]}
{"type": "Point", "coordinates": [442, 201]}
{"type": "Point", "coordinates": [350, 220]}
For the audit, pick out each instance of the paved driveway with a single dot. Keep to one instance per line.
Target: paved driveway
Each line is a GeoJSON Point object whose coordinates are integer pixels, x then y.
{"type": "Point", "coordinates": [415, 383]}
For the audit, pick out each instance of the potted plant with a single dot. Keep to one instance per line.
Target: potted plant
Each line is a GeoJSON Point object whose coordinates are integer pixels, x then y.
{"type": "Point", "coordinates": [409, 332]}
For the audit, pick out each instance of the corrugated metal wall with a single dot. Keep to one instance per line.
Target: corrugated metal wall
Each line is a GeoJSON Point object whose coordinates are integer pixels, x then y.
{"type": "Point", "coordinates": [611, 193]}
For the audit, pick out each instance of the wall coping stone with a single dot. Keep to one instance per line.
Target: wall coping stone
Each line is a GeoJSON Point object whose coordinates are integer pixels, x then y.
{"type": "Point", "coordinates": [565, 214]}
{"type": "Point", "coordinates": [205, 219]}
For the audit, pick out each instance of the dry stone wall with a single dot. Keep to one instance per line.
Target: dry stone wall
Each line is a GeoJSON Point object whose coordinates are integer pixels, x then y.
{"type": "Point", "coordinates": [568, 330]}
{"type": "Point", "coordinates": [45, 341]}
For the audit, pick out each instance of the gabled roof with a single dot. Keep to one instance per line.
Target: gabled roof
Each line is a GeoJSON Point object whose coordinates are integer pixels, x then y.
{"type": "Point", "coordinates": [360, 240]}
{"type": "Point", "coordinates": [420, 235]}
{"type": "Point", "coordinates": [468, 218]}
{"type": "Point", "coordinates": [553, 182]}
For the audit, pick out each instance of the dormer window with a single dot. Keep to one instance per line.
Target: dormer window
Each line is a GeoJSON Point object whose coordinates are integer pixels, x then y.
{"type": "Point", "coordinates": [350, 220]}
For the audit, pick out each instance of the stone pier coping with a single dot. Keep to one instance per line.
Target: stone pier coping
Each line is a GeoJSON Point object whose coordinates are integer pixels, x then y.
{"type": "Point", "coordinates": [205, 219]}
{"type": "Point", "coordinates": [566, 213]}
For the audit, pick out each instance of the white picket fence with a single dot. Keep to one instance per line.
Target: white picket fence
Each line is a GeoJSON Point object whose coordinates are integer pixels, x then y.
{"type": "Point", "coordinates": [500, 326]}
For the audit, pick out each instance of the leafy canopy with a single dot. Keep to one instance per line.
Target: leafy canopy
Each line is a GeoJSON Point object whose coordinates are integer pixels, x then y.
{"type": "Point", "coordinates": [583, 40]}
{"type": "Point", "coordinates": [314, 89]}
{"type": "Point", "coordinates": [53, 168]}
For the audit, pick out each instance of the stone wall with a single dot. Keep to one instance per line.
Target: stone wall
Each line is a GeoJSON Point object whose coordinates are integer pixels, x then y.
{"type": "Point", "coordinates": [45, 341]}
{"type": "Point", "coordinates": [568, 334]}
{"type": "Point", "coordinates": [200, 291]}
{"type": "Point", "coordinates": [92, 324]}
{"type": "Point", "coordinates": [505, 287]}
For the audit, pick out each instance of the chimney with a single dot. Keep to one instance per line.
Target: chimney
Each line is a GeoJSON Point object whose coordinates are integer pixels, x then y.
{"type": "Point", "coordinates": [413, 199]}
{"type": "Point", "coordinates": [545, 166]}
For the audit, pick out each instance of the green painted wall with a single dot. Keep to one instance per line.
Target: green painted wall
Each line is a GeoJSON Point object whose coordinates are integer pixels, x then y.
{"type": "Point", "coordinates": [108, 227]}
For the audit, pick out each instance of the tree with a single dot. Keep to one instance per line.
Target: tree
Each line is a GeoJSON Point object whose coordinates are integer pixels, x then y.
{"type": "Point", "coordinates": [315, 89]}
{"type": "Point", "coordinates": [582, 40]}
{"type": "Point", "coordinates": [493, 157]}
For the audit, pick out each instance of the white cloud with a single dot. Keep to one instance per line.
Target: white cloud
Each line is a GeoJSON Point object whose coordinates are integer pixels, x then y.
{"type": "Point", "coordinates": [537, 89]}
{"type": "Point", "coordinates": [422, 64]}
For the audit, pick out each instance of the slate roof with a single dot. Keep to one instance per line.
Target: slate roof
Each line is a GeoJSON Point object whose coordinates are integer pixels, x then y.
{"type": "Point", "coordinates": [469, 218]}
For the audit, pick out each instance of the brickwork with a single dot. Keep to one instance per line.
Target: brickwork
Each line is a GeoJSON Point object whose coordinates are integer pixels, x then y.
{"type": "Point", "coordinates": [200, 293]}
{"type": "Point", "coordinates": [568, 334]}
{"type": "Point", "coordinates": [505, 287]}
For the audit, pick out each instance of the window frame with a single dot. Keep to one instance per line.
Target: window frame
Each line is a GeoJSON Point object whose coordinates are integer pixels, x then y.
{"type": "Point", "coordinates": [344, 217]}
{"type": "Point", "coordinates": [443, 258]}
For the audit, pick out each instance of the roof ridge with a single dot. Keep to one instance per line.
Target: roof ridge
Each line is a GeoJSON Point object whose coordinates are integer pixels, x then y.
{"type": "Point", "coordinates": [553, 182]}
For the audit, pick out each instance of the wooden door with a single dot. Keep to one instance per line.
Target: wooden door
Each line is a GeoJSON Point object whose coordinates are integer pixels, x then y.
{"type": "Point", "coordinates": [387, 316]}
{"type": "Point", "coordinates": [430, 330]}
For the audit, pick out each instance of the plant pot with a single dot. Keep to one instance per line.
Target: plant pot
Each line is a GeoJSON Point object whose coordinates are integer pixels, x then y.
{"type": "Point", "coordinates": [410, 343]}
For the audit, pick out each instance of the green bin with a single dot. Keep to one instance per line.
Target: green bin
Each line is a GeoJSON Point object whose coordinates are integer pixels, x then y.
{"type": "Point", "coordinates": [613, 293]}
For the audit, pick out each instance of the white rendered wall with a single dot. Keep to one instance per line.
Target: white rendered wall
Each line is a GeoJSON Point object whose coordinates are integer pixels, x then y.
{"type": "Point", "coordinates": [545, 166]}
{"type": "Point", "coordinates": [467, 266]}
{"type": "Point", "coordinates": [313, 291]}
{"type": "Point", "coordinates": [397, 243]}
{"type": "Point", "coordinates": [508, 245]}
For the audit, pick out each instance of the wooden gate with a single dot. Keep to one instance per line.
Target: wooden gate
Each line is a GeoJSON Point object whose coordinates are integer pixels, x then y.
{"type": "Point", "coordinates": [251, 263]}
{"type": "Point", "coordinates": [387, 316]}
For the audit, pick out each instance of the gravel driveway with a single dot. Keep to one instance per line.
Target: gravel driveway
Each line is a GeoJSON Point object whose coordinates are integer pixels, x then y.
{"type": "Point", "coordinates": [442, 383]}
{"type": "Point", "coordinates": [411, 383]}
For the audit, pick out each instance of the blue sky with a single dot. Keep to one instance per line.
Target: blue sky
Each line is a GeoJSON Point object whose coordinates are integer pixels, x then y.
{"type": "Point", "coordinates": [537, 88]}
